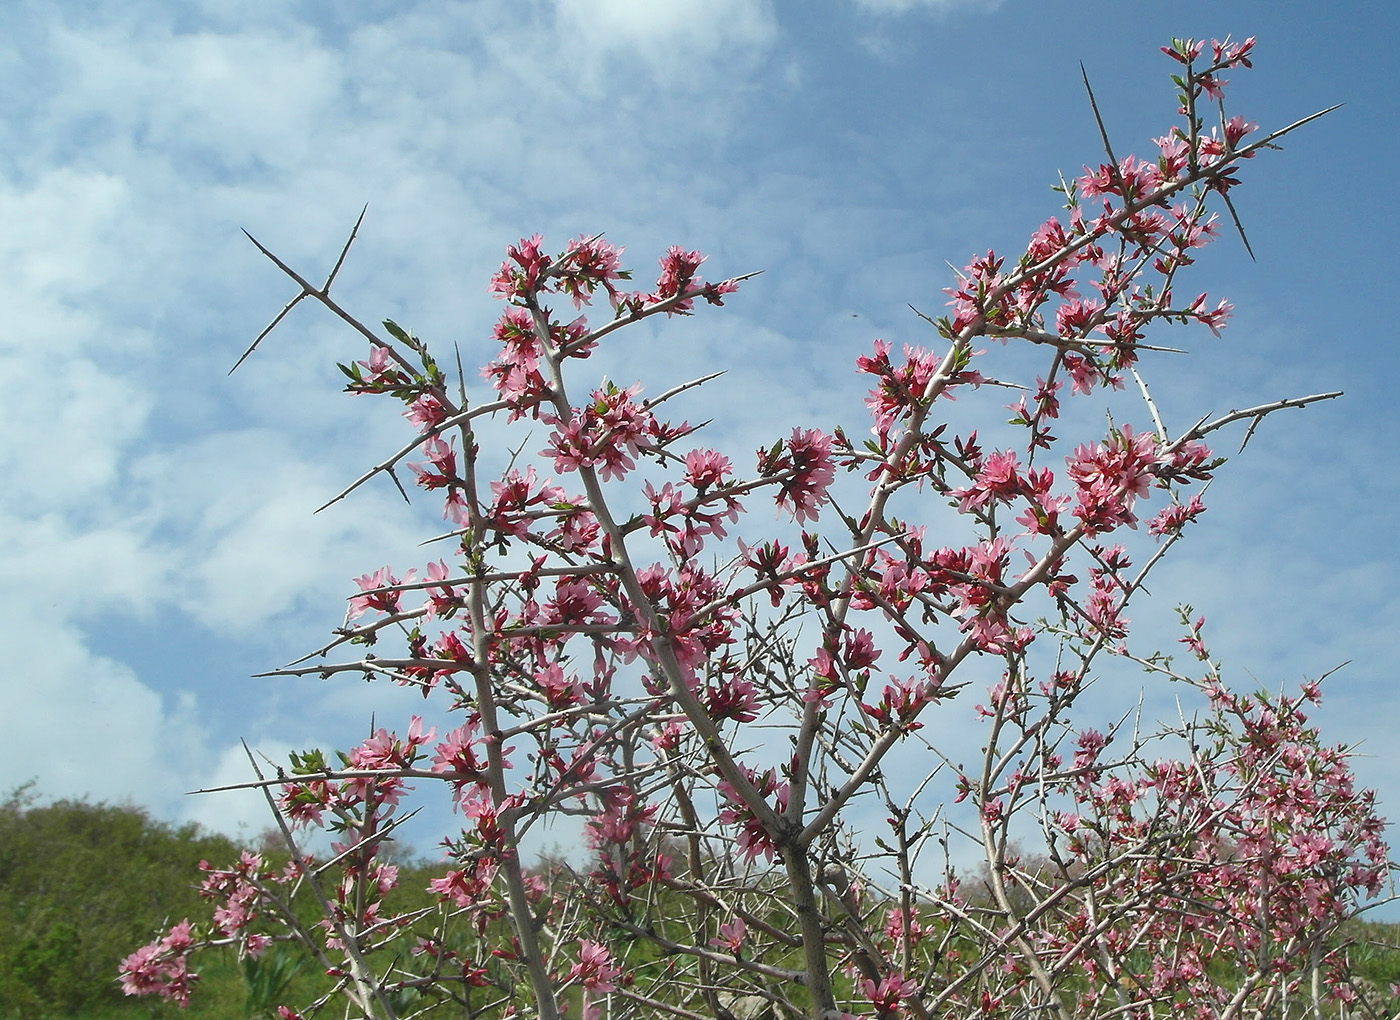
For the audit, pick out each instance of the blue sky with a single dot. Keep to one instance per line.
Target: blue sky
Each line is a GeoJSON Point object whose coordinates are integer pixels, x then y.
{"type": "Point", "coordinates": [156, 523]}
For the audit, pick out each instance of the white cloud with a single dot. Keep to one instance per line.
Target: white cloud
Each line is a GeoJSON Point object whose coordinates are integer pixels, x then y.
{"type": "Point", "coordinates": [56, 227]}
{"type": "Point", "coordinates": [666, 35]}
{"type": "Point", "coordinates": [238, 101]}
{"type": "Point", "coordinates": [239, 506]}
{"type": "Point", "coordinates": [241, 814]}
{"type": "Point", "coordinates": [937, 6]}
{"type": "Point", "coordinates": [82, 724]}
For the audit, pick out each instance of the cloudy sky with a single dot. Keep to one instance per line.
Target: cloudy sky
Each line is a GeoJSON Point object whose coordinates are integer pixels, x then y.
{"type": "Point", "coordinates": [156, 527]}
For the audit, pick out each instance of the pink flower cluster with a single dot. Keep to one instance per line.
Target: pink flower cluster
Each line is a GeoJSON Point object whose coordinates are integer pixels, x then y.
{"type": "Point", "coordinates": [606, 433]}
{"type": "Point", "coordinates": [162, 967]}
{"type": "Point", "coordinates": [804, 469]}
{"type": "Point", "coordinates": [753, 839]}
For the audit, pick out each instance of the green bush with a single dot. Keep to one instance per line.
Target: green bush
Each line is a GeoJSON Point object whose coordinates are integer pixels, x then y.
{"type": "Point", "coordinates": [81, 886]}
{"type": "Point", "coordinates": [84, 885]}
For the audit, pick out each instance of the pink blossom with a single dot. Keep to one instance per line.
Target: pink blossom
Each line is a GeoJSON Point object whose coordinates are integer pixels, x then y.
{"type": "Point", "coordinates": [1232, 54]}
{"type": "Point", "coordinates": [1083, 373]}
{"type": "Point", "coordinates": [753, 840]}
{"type": "Point", "coordinates": [886, 995]}
{"type": "Point", "coordinates": [608, 432]}
{"type": "Point", "coordinates": [560, 692]}
{"type": "Point", "coordinates": [594, 969]}
{"type": "Point", "coordinates": [811, 470]}
{"type": "Point", "coordinates": [1171, 519]}
{"type": "Point", "coordinates": [466, 887]}
{"type": "Point", "coordinates": [426, 412]}
{"type": "Point", "coordinates": [1109, 478]}
{"type": "Point", "coordinates": [997, 481]}
{"type": "Point", "coordinates": [443, 601]}
{"type": "Point", "coordinates": [898, 923]}
{"type": "Point", "coordinates": [444, 465]}
{"type": "Point", "coordinates": [523, 277]}
{"type": "Point", "coordinates": [1132, 179]}
{"type": "Point", "coordinates": [162, 967]}
{"type": "Point", "coordinates": [376, 599]}
{"type": "Point", "coordinates": [901, 703]}
{"type": "Point", "coordinates": [733, 697]}
{"type": "Point", "coordinates": [576, 602]}
{"type": "Point", "coordinates": [378, 371]}
{"type": "Point", "coordinates": [731, 935]}
{"type": "Point", "coordinates": [1235, 130]}
{"type": "Point", "coordinates": [1075, 318]}
{"type": "Point", "coordinates": [586, 265]}
{"type": "Point", "coordinates": [384, 750]}
{"type": "Point", "coordinates": [1215, 319]}
{"type": "Point", "coordinates": [1185, 51]}
{"type": "Point", "coordinates": [705, 469]}
{"type": "Point", "coordinates": [515, 373]}
{"type": "Point", "coordinates": [900, 387]}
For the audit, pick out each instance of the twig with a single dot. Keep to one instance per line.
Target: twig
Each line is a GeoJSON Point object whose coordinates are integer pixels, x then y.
{"type": "Point", "coordinates": [1103, 134]}
{"type": "Point", "coordinates": [306, 289]}
{"type": "Point", "coordinates": [1258, 412]}
{"type": "Point", "coordinates": [387, 464]}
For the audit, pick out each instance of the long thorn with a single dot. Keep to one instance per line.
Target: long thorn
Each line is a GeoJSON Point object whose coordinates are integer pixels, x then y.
{"type": "Point", "coordinates": [282, 265]}
{"type": "Point", "coordinates": [268, 329]}
{"type": "Point", "coordinates": [1103, 132]}
{"type": "Point", "coordinates": [461, 377]}
{"type": "Point", "coordinates": [399, 485]}
{"type": "Point", "coordinates": [1238, 225]}
{"type": "Point", "coordinates": [345, 251]}
{"type": "Point", "coordinates": [1267, 141]}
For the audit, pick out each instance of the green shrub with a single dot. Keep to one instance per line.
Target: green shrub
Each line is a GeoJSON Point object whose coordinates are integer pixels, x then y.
{"type": "Point", "coordinates": [81, 886]}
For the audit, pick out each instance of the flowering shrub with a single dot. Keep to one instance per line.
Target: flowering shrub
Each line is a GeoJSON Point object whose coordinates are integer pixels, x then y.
{"type": "Point", "coordinates": [750, 726]}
